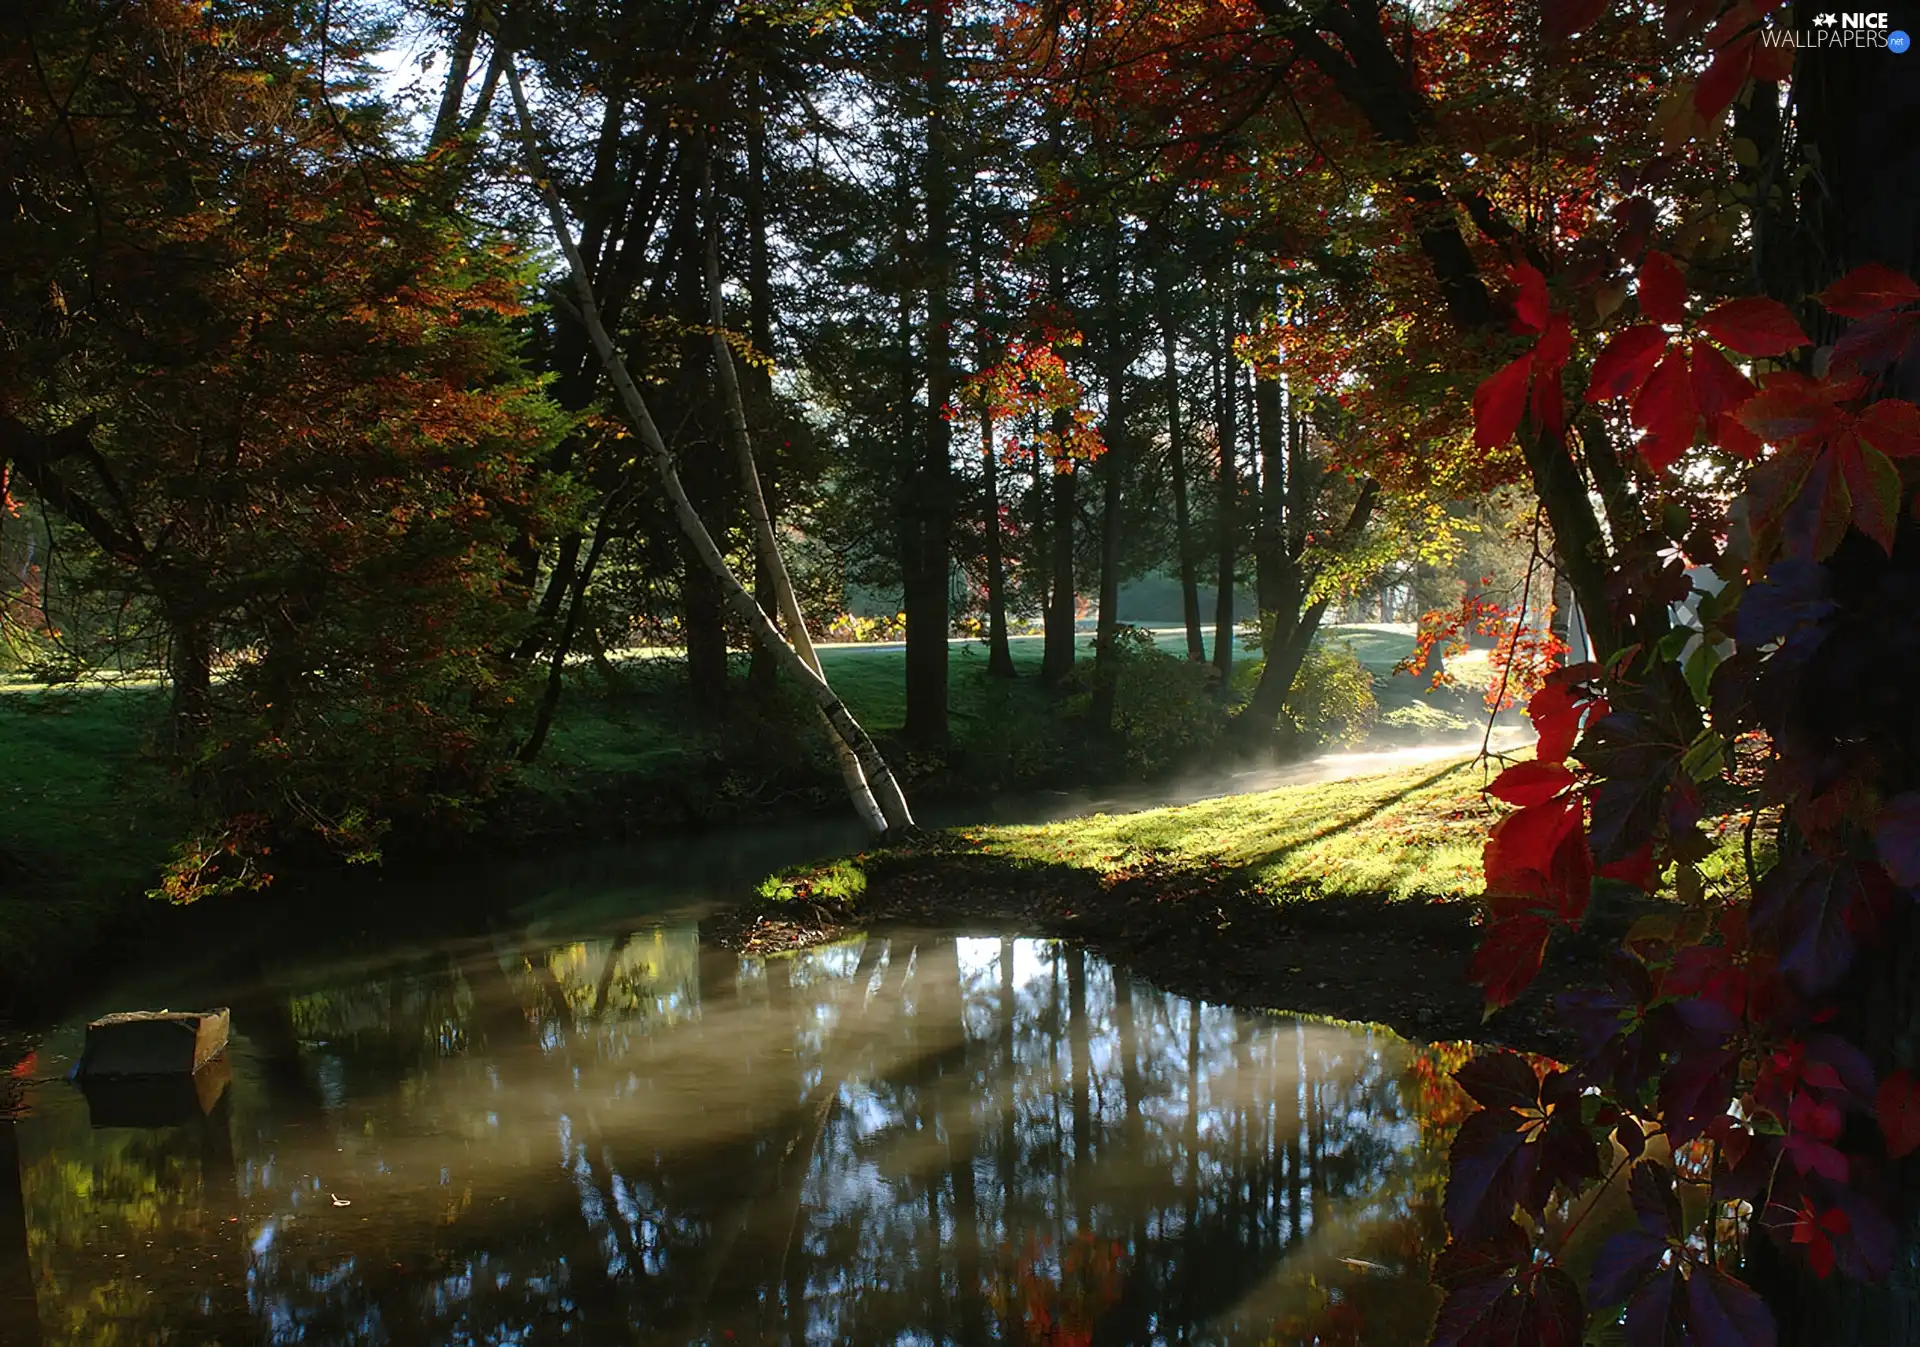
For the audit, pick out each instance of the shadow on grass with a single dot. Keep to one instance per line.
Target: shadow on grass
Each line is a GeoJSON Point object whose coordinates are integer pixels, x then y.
{"type": "Point", "coordinates": [1374, 810]}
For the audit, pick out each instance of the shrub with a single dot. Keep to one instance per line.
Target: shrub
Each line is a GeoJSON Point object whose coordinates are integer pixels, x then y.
{"type": "Point", "coordinates": [1331, 701]}
{"type": "Point", "coordinates": [1163, 705]}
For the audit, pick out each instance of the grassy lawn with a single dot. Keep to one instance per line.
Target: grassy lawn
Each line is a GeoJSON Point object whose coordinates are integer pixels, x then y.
{"type": "Point", "coordinates": [1418, 831]}
{"type": "Point", "coordinates": [86, 816]}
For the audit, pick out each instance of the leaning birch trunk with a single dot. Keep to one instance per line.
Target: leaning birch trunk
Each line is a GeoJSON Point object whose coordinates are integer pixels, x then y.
{"type": "Point", "coordinates": [737, 595]}
{"type": "Point", "coordinates": [891, 803]}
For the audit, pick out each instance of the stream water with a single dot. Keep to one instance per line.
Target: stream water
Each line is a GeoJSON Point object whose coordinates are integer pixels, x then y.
{"type": "Point", "coordinates": [585, 1126]}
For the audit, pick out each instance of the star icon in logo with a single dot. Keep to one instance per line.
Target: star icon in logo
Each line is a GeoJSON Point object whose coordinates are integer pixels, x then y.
{"type": "Point", "coordinates": [1824, 21]}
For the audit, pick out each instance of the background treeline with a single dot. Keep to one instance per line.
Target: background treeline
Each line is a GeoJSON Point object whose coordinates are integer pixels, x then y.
{"type": "Point", "coordinates": [297, 412]}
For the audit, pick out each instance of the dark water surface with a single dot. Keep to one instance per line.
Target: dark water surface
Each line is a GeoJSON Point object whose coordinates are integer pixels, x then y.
{"type": "Point", "coordinates": [593, 1129]}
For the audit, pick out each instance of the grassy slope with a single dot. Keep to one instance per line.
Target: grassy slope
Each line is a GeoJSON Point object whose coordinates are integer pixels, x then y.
{"type": "Point", "coordinates": [1416, 831]}
{"type": "Point", "coordinates": [1411, 833]}
{"type": "Point", "coordinates": [86, 817]}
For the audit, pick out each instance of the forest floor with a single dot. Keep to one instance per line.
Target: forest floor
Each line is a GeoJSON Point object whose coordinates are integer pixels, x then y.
{"type": "Point", "coordinates": [88, 813]}
{"type": "Point", "coordinates": [1350, 899]}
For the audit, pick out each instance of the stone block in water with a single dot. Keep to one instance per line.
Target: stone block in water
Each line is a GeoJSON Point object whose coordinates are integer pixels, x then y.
{"type": "Point", "coordinates": [153, 1043]}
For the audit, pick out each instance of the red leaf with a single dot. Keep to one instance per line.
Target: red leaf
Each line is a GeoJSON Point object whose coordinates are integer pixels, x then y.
{"type": "Point", "coordinates": [1663, 291]}
{"type": "Point", "coordinates": [1718, 387]}
{"type": "Point", "coordinates": [1527, 783]}
{"type": "Point", "coordinates": [1530, 305]}
{"type": "Point", "coordinates": [1896, 839]}
{"type": "Point", "coordinates": [1870, 345]}
{"type": "Point", "coordinates": [1636, 869]}
{"type": "Point", "coordinates": [1730, 435]}
{"type": "Point", "coordinates": [1722, 80]}
{"type": "Point", "coordinates": [1626, 362]}
{"type": "Point", "coordinates": [1564, 18]}
{"type": "Point", "coordinates": [1792, 410]}
{"type": "Point", "coordinates": [1757, 326]}
{"type": "Point", "coordinates": [1500, 1079]}
{"type": "Point", "coordinates": [1556, 343]}
{"type": "Point", "coordinates": [1499, 403]}
{"type": "Point", "coordinates": [1519, 853]}
{"type": "Point", "coordinates": [1666, 411]}
{"type": "Point", "coordinates": [1511, 951]}
{"type": "Point", "coordinates": [1897, 1106]}
{"type": "Point", "coordinates": [1868, 290]}
{"type": "Point", "coordinates": [1721, 1310]}
{"type": "Point", "coordinates": [1893, 427]}
{"type": "Point", "coordinates": [1548, 407]}
{"type": "Point", "coordinates": [1874, 484]}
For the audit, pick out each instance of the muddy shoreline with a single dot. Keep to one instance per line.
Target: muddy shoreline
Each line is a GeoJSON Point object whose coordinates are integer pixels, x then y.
{"type": "Point", "coordinates": [1204, 933]}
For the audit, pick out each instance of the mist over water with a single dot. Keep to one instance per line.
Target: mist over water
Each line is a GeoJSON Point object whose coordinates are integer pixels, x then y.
{"type": "Point", "coordinates": [1244, 780]}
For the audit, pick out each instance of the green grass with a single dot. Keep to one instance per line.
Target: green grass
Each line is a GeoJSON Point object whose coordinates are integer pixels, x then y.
{"type": "Point", "coordinates": [86, 816]}
{"type": "Point", "coordinates": [1413, 832]}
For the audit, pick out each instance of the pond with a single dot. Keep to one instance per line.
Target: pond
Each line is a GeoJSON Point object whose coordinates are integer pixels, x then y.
{"type": "Point", "coordinates": [534, 1135]}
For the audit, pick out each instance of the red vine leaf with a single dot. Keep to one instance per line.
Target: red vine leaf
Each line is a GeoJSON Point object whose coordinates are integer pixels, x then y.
{"type": "Point", "coordinates": [1896, 839]}
{"type": "Point", "coordinates": [1892, 426]}
{"type": "Point", "coordinates": [1757, 326]}
{"type": "Point", "coordinates": [1527, 783]}
{"type": "Point", "coordinates": [1718, 387]}
{"type": "Point", "coordinates": [1897, 1107]}
{"type": "Point", "coordinates": [1509, 957]}
{"type": "Point", "coordinates": [1567, 17]}
{"type": "Point", "coordinates": [1663, 291]}
{"type": "Point", "coordinates": [1723, 1312]}
{"type": "Point", "coordinates": [1625, 362]}
{"type": "Point", "coordinates": [1499, 402]}
{"type": "Point", "coordinates": [1868, 291]}
{"type": "Point", "coordinates": [1530, 305]}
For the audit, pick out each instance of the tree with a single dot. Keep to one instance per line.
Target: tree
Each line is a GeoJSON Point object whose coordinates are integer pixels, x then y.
{"type": "Point", "coordinates": [272, 385]}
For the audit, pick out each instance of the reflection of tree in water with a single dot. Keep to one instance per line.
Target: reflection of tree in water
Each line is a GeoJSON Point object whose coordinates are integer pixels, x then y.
{"type": "Point", "coordinates": [967, 1140]}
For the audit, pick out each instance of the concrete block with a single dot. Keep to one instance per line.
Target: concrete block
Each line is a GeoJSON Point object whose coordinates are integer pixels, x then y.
{"type": "Point", "coordinates": [156, 1101]}
{"type": "Point", "coordinates": [153, 1043]}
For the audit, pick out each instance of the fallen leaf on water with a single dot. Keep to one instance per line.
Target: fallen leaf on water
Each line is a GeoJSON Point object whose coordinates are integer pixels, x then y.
{"type": "Point", "coordinates": [340, 1201]}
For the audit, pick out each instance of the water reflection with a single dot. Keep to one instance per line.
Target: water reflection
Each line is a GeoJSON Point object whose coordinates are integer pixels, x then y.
{"type": "Point", "coordinates": [639, 1139]}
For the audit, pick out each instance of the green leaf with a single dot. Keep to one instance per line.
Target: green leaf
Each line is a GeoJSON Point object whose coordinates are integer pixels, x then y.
{"type": "Point", "coordinates": [1699, 668]}
{"type": "Point", "coordinates": [1706, 757]}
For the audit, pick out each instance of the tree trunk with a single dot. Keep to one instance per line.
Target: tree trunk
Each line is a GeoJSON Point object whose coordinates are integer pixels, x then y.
{"type": "Point", "coordinates": [871, 762]}
{"type": "Point", "coordinates": [1295, 629]}
{"type": "Point", "coordinates": [926, 575]}
{"type": "Point", "coordinates": [446, 122]}
{"type": "Point", "coordinates": [1269, 539]}
{"type": "Point", "coordinates": [759, 377]}
{"type": "Point", "coordinates": [1056, 662]}
{"type": "Point", "coordinates": [1113, 467]}
{"type": "Point", "coordinates": [563, 643]}
{"type": "Point", "coordinates": [1177, 453]}
{"type": "Point", "coordinates": [1227, 493]}
{"type": "Point", "coordinates": [999, 653]}
{"type": "Point", "coordinates": [889, 810]}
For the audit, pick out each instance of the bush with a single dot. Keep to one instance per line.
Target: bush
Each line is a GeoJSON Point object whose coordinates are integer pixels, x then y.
{"type": "Point", "coordinates": [1163, 705]}
{"type": "Point", "coordinates": [1332, 701]}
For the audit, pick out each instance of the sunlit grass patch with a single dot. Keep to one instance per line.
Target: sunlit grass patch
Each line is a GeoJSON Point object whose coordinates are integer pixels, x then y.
{"type": "Point", "coordinates": [842, 881]}
{"type": "Point", "coordinates": [1414, 832]}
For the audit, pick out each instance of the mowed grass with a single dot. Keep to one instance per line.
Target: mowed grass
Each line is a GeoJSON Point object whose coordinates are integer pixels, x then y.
{"type": "Point", "coordinates": [87, 815]}
{"type": "Point", "coordinates": [1417, 832]}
